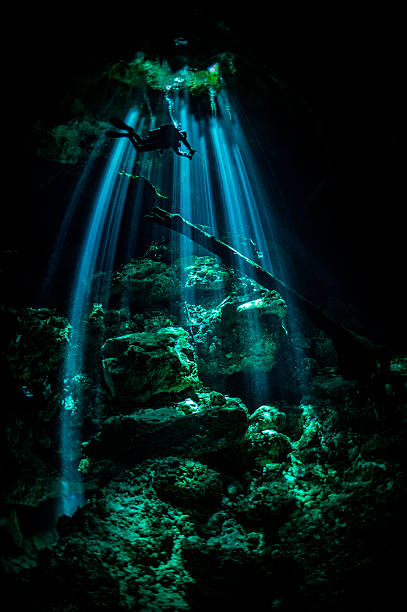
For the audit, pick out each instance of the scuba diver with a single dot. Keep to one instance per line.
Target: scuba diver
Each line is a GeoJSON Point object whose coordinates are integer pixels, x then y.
{"type": "Point", "coordinates": [165, 137]}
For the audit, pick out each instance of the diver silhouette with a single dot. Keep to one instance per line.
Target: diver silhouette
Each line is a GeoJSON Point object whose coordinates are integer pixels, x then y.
{"type": "Point", "coordinates": [165, 137]}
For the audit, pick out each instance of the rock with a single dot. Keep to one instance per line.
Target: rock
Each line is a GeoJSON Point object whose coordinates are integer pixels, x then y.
{"type": "Point", "coordinates": [145, 282]}
{"type": "Point", "coordinates": [324, 350]}
{"type": "Point", "coordinates": [121, 551]}
{"type": "Point", "coordinates": [310, 427]}
{"type": "Point", "coordinates": [267, 417]}
{"type": "Point", "coordinates": [270, 503]}
{"type": "Point", "coordinates": [398, 365]}
{"type": "Point", "coordinates": [372, 472]}
{"type": "Point", "coordinates": [346, 518]}
{"type": "Point", "coordinates": [335, 388]}
{"type": "Point", "coordinates": [207, 278]}
{"type": "Point", "coordinates": [235, 323]}
{"type": "Point", "coordinates": [229, 545]}
{"type": "Point", "coordinates": [237, 337]}
{"type": "Point", "coordinates": [118, 322]}
{"type": "Point", "coordinates": [187, 429]}
{"type": "Point", "coordinates": [71, 142]}
{"type": "Point", "coordinates": [143, 367]}
{"type": "Point", "coordinates": [269, 446]}
{"type": "Point", "coordinates": [29, 432]}
{"type": "Point", "coordinates": [143, 543]}
{"type": "Point", "coordinates": [269, 304]}
{"type": "Point", "coordinates": [36, 354]}
{"type": "Point", "coordinates": [184, 482]}
{"type": "Point", "coordinates": [231, 568]}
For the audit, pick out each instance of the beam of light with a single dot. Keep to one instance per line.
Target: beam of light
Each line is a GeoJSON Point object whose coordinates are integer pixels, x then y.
{"type": "Point", "coordinates": [99, 247]}
{"type": "Point", "coordinates": [224, 188]}
{"type": "Point", "coordinates": [247, 201]}
{"type": "Point", "coordinates": [257, 203]}
{"type": "Point", "coordinates": [193, 198]}
{"type": "Point", "coordinates": [68, 218]}
{"type": "Point", "coordinates": [241, 222]}
{"type": "Point", "coordinates": [181, 201]}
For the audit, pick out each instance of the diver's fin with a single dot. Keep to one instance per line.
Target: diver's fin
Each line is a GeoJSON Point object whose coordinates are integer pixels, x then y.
{"type": "Point", "coordinates": [121, 125]}
{"type": "Point", "coordinates": [116, 134]}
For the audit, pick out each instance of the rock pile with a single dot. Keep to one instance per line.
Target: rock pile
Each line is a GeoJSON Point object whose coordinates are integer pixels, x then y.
{"type": "Point", "coordinates": [192, 500]}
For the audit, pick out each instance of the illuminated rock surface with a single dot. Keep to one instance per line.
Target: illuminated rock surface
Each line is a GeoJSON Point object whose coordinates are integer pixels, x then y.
{"type": "Point", "coordinates": [193, 502]}
{"type": "Point", "coordinates": [190, 428]}
{"type": "Point", "coordinates": [145, 282]}
{"type": "Point", "coordinates": [138, 368]}
{"type": "Point", "coordinates": [267, 417]}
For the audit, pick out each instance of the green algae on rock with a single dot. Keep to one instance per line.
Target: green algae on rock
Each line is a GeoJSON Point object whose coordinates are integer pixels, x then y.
{"type": "Point", "coordinates": [184, 482]}
{"type": "Point", "coordinates": [37, 351]}
{"type": "Point", "coordinates": [267, 417]}
{"type": "Point", "coordinates": [144, 282]}
{"type": "Point", "coordinates": [210, 428]}
{"type": "Point", "coordinates": [238, 337]}
{"type": "Point", "coordinates": [145, 366]}
{"type": "Point", "coordinates": [269, 446]}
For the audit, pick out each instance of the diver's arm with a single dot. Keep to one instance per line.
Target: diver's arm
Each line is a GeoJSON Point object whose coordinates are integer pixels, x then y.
{"type": "Point", "coordinates": [186, 143]}
{"type": "Point", "coordinates": [181, 153]}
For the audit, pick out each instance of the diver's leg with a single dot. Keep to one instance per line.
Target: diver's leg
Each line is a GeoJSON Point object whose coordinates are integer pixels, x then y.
{"type": "Point", "coordinates": [121, 125]}
{"type": "Point", "coordinates": [112, 134]}
{"type": "Point", "coordinates": [147, 146]}
{"type": "Point", "coordinates": [135, 141]}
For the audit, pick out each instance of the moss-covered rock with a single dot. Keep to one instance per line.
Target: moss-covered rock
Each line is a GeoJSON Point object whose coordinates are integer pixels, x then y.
{"type": "Point", "coordinates": [36, 354]}
{"type": "Point", "coordinates": [208, 278]}
{"type": "Point", "coordinates": [268, 502]}
{"type": "Point", "coordinates": [145, 282]}
{"type": "Point", "coordinates": [238, 336]}
{"type": "Point", "coordinates": [30, 466]}
{"type": "Point", "coordinates": [72, 142]}
{"type": "Point", "coordinates": [268, 446]}
{"type": "Point", "coordinates": [122, 551]}
{"type": "Point", "coordinates": [191, 428]}
{"type": "Point", "coordinates": [267, 417]}
{"type": "Point", "coordinates": [184, 482]}
{"type": "Point", "coordinates": [144, 367]}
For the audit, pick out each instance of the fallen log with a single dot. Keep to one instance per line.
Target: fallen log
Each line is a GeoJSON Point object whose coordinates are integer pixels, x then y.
{"type": "Point", "coordinates": [357, 354]}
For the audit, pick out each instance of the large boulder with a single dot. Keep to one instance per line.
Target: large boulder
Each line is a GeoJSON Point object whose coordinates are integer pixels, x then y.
{"type": "Point", "coordinates": [267, 417]}
{"type": "Point", "coordinates": [188, 483]}
{"type": "Point", "coordinates": [238, 336]}
{"type": "Point", "coordinates": [145, 282]}
{"type": "Point", "coordinates": [144, 367]}
{"type": "Point", "coordinates": [269, 446]}
{"type": "Point", "coordinates": [206, 424]}
{"type": "Point", "coordinates": [206, 279]}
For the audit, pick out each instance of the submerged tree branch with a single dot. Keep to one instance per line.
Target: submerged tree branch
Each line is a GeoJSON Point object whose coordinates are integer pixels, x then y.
{"type": "Point", "coordinates": [356, 353]}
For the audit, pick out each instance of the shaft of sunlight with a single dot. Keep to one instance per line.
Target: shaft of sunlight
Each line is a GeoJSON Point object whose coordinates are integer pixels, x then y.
{"type": "Point", "coordinates": [99, 247]}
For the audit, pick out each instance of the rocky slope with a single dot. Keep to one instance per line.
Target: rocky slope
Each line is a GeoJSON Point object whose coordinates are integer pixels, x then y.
{"type": "Point", "coordinates": [195, 497]}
